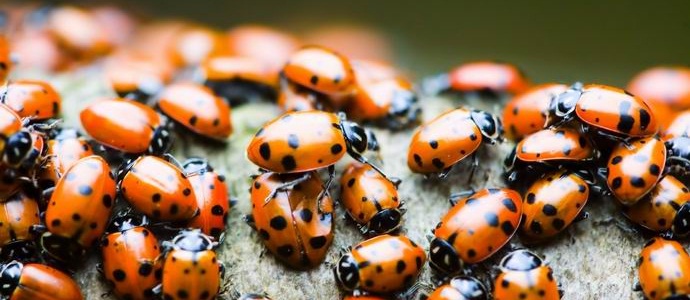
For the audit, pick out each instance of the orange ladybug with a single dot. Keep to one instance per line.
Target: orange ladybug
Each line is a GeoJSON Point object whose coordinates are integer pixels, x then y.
{"type": "Point", "coordinates": [78, 32]}
{"type": "Point", "coordinates": [194, 44]}
{"type": "Point", "coordinates": [460, 288]}
{"type": "Point", "coordinates": [476, 227]}
{"type": "Point", "coordinates": [297, 224]}
{"type": "Point", "coordinates": [37, 281]}
{"type": "Point", "coordinates": [370, 199]}
{"type": "Point", "coordinates": [320, 69]}
{"type": "Point", "coordinates": [666, 208]}
{"type": "Point", "coordinates": [33, 99]}
{"type": "Point", "coordinates": [158, 189]}
{"type": "Point", "coordinates": [270, 46]}
{"type": "Point", "coordinates": [664, 270]}
{"type": "Point", "coordinates": [293, 97]}
{"type": "Point", "coordinates": [211, 194]}
{"type": "Point", "coordinates": [526, 113]}
{"type": "Point", "coordinates": [130, 255]}
{"type": "Point", "coordinates": [613, 112]}
{"type": "Point", "coordinates": [382, 264]}
{"type": "Point", "coordinates": [196, 108]}
{"type": "Point", "coordinates": [553, 202]}
{"type": "Point", "coordinates": [446, 140]}
{"type": "Point", "coordinates": [126, 126]}
{"type": "Point", "coordinates": [18, 215]}
{"type": "Point", "coordinates": [63, 152]}
{"type": "Point", "coordinates": [679, 126]}
{"type": "Point", "coordinates": [5, 59]}
{"type": "Point", "coordinates": [191, 269]}
{"type": "Point", "coordinates": [78, 210]}
{"type": "Point", "coordinates": [239, 79]}
{"type": "Point", "coordinates": [137, 76]}
{"type": "Point", "coordinates": [669, 85]}
{"type": "Point", "coordinates": [634, 169]}
{"type": "Point", "coordinates": [480, 76]}
{"type": "Point", "coordinates": [523, 275]}
{"type": "Point", "coordinates": [18, 144]}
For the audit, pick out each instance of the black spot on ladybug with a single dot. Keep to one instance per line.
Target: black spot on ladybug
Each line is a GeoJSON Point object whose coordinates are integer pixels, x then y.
{"type": "Point", "coordinates": [55, 222]}
{"type": "Point", "coordinates": [192, 120]}
{"type": "Point", "coordinates": [119, 275]}
{"type": "Point", "coordinates": [645, 118]}
{"type": "Point", "coordinates": [400, 267]}
{"type": "Point", "coordinates": [418, 262]}
{"type": "Point", "coordinates": [654, 169]}
{"type": "Point", "coordinates": [264, 234]}
{"type": "Point", "coordinates": [337, 148]}
{"type": "Point", "coordinates": [438, 163]}
{"type": "Point", "coordinates": [418, 160]}
{"type": "Point", "coordinates": [616, 160]}
{"type": "Point", "coordinates": [93, 225]}
{"type": "Point", "coordinates": [661, 222]}
{"type": "Point", "coordinates": [558, 223]}
{"type": "Point", "coordinates": [174, 209]}
{"type": "Point", "coordinates": [217, 210]}
{"type": "Point", "coordinates": [473, 136]}
{"type": "Point", "coordinates": [204, 295]}
{"type": "Point", "coordinates": [3, 65]}
{"type": "Point", "coordinates": [216, 122]}
{"type": "Point", "coordinates": [433, 144]}
{"type": "Point", "coordinates": [626, 121]}
{"type": "Point", "coordinates": [145, 269]}
{"type": "Point", "coordinates": [491, 219]}
{"type": "Point", "coordinates": [637, 182]}
{"type": "Point", "coordinates": [379, 269]}
{"type": "Point", "coordinates": [278, 223]}
{"type": "Point", "coordinates": [581, 188]}
{"type": "Point", "coordinates": [351, 182]}
{"type": "Point", "coordinates": [182, 294]}
{"type": "Point", "coordinates": [288, 163]}
{"type": "Point", "coordinates": [536, 227]}
{"type": "Point", "coordinates": [549, 210]}
{"type": "Point", "coordinates": [616, 183]}
{"type": "Point", "coordinates": [507, 228]}
{"type": "Point", "coordinates": [360, 216]}
{"type": "Point", "coordinates": [186, 192]}
{"type": "Point", "coordinates": [364, 199]}
{"type": "Point", "coordinates": [265, 151]}
{"type": "Point", "coordinates": [369, 283]}
{"type": "Point", "coordinates": [471, 253]}
{"type": "Point", "coordinates": [531, 198]}
{"type": "Point", "coordinates": [85, 190]}
{"type": "Point", "coordinates": [76, 217]}
{"type": "Point", "coordinates": [293, 141]}
{"type": "Point", "coordinates": [318, 242]}
{"type": "Point", "coordinates": [337, 79]}
{"type": "Point", "coordinates": [306, 215]}
{"type": "Point", "coordinates": [515, 110]}
{"type": "Point", "coordinates": [505, 283]}
{"type": "Point", "coordinates": [156, 198]}
{"type": "Point", "coordinates": [285, 250]}
{"type": "Point", "coordinates": [314, 80]}
{"type": "Point", "coordinates": [582, 141]}
{"type": "Point", "coordinates": [509, 204]}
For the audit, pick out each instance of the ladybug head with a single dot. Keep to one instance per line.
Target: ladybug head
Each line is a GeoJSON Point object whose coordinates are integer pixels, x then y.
{"type": "Point", "coordinates": [681, 222]}
{"type": "Point", "coordinates": [9, 276]}
{"type": "Point", "coordinates": [127, 220]}
{"type": "Point", "coordinates": [679, 152]}
{"type": "Point", "coordinates": [471, 288]}
{"type": "Point", "coordinates": [403, 110]}
{"type": "Point", "coordinates": [385, 221]}
{"type": "Point", "coordinates": [563, 105]}
{"type": "Point", "coordinates": [18, 148]}
{"type": "Point", "coordinates": [357, 138]}
{"type": "Point", "coordinates": [347, 272]}
{"type": "Point", "coordinates": [193, 241]}
{"type": "Point", "coordinates": [443, 257]}
{"type": "Point", "coordinates": [61, 249]}
{"type": "Point", "coordinates": [520, 260]}
{"type": "Point", "coordinates": [161, 141]}
{"type": "Point", "coordinates": [489, 125]}
{"type": "Point", "coordinates": [197, 165]}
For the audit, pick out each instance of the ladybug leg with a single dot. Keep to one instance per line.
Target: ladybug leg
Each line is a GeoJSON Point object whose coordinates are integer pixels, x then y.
{"type": "Point", "coordinates": [286, 186]}
{"type": "Point", "coordinates": [327, 186]}
{"type": "Point", "coordinates": [445, 172]}
{"type": "Point", "coordinates": [583, 215]}
{"type": "Point", "coordinates": [473, 168]}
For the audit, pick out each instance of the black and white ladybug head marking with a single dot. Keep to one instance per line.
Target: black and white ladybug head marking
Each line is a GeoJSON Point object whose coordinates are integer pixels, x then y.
{"type": "Point", "coordinates": [127, 221]}
{"type": "Point", "coordinates": [358, 138]}
{"type": "Point", "coordinates": [489, 125]}
{"type": "Point", "coordinates": [192, 240]}
{"type": "Point", "coordinates": [347, 272]}
{"type": "Point", "coordinates": [679, 152]}
{"type": "Point", "coordinates": [443, 257]}
{"type": "Point", "coordinates": [9, 276]}
{"type": "Point", "coordinates": [681, 222]}
{"type": "Point", "coordinates": [385, 221]}
{"type": "Point", "coordinates": [470, 288]}
{"type": "Point", "coordinates": [563, 105]}
{"type": "Point", "coordinates": [161, 141]}
{"type": "Point", "coordinates": [520, 260]}
{"type": "Point", "coordinates": [18, 147]}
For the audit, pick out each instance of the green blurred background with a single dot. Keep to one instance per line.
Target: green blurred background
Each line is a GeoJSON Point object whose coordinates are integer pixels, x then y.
{"type": "Point", "coordinates": [591, 41]}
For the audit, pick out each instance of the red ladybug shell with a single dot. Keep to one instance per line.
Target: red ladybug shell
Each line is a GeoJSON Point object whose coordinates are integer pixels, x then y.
{"type": "Point", "coordinates": [292, 97]}
{"type": "Point", "coordinates": [614, 110]}
{"type": "Point", "coordinates": [32, 99]}
{"type": "Point", "coordinates": [133, 72]}
{"type": "Point", "coordinates": [659, 210]}
{"type": "Point", "coordinates": [443, 142]}
{"type": "Point", "coordinates": [267, 45]}
{"type": "Point", "coordinates": [476, 228]}
{"type": "Point", "coordinates": [124, 125]}
{"type": "Point", "coordinates": [487, 75]}
{"type": "Point", "coordinates": [231, 68]}
{"type": "Point", "coordinates": [668, 85]}
{"type": "Point", "coordinates": [526, 113]}
{"type": "Point", "coordinates": [158, 189]}
{"type": "Point", "coordinates": [370, 199]}
{"type": "Point", "coordinates": [130, 262]}
{"type": "Point", "coordinates": [79, 208]}
{"type": "Point", "coordinates": [552, 203]}
{"type": "Point", "coordinates": [530, 280]}
{"type": "Point", "coordinates": [320, 69]}
{"type": "Point", "coordinates": [198, 109]}
{"type": "Point", "coordinates": [555, 144]}
{"type": "Point", "coordinates": [194, 44]}
{"type": "Point", "coordinates": [376, 88]}
{"type": "Point", "coordinates": [298, 142]}
{"type": "Point", "coordinates": [10, 123]}
{"type": "Point", "coordinates": [5, 59]}
{"type": "Point", "coordinates": [41, 282]}
{"type": "Point", "coordinates": [664, 269]}
{"type": "Point", "coordinates": [634, 170]}
{"type": "Point", "coordinates": [291, 226]}
{"type": "Point", "coordinates": [78, 32]}
{"type": "Point", "coordinates": [383, 264]}
{"type": "Point", "coordinates": [63, 152]}
{"type": "Point", "coordinates": [212, 198]}
{"type": "Point", "coordinates": [679, 126]}
{"type": "Point", "coordinates": [17, 215]}
{"type": "Point", "coordinates": [191, 272]}
{"type": "Point", "coordinates": [460, 288]}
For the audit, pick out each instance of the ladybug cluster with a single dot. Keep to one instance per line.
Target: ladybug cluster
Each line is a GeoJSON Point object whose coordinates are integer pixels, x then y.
{"type": "Point", "coordinates": [112, 187]}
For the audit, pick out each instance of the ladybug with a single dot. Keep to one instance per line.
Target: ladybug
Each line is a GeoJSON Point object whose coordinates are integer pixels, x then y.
{"type": "Point", "coordinates": [196, 108]}
{"type": "Point", "coordinates": [254, 297]}
{"type": "Point", "coordinates": [546, 148]}
{"type": "Point", "coordinates": [211, 194]}
{"type": "Point", "coordinates": [669, 85]}
{"type": "Point", "coordinates": [137, 76]}
{"type": "Point", "coordinates": [553, 202]}
{"type": "Point", "coordinates": [446, 140]}
{"type": "Point", "coordinates": [78, 209]}
{"type": "Point", "coordinates": [309, 140]}
{"type": "Point", "coordinates": [370, 199]}
{"type": "Point", "coordinates": [612, 112]}
{"type": "Point", "coordinates": [18, 215]}
{"type": "Point", "coordinates": [634, 169]}
{"type": "Point", "coordinates": [36, 281]}
{"type": "Point", "coordinates": [297, 225]}
{"type": "Point", "coordinates": [239, 79]}
{"type": "Point", "coordinates": [384, 98]}
{"type": "Point", "coordinates": [126, 126]}
{"type": "Point", "coordinates": [158, 189]}
{"type": "Point", "coordinates": [664, 270]}
{"type": "Point", "coordinates": [666, 208]}
{"type": "Point", "coordinates": [320, 69]}
{"type": "Point", "coordinates": [293, 97]}
{"type": "Point", "coordinates": [268, 45]}
{"type": "Point", "coordinates": [36, 155]}
{"type": "Point", "coordinates": [476, 227]}
{"type": "Point", "coordinates": [78, 32]}
{"type": "Point", "coordinates": [17, 143]}
{"type": "Point", "coordinates": [193, 44]}
{"type": "Point", "coordinates": [481, 76]}
{"type": "Point", "coordinates": [526, 113]}
{"type": "Point", "coordinates": [679, 126]}
{"type": "Point", "coordinates": [191, 269]}
{"type": "Point", "coordinates": [9, 185]}
{"type": "Point", "coordinates": [523, 275]}
{"type": "Point", "coordinates": [678, 154]}
{"type": "Point", "coordinates": [130, 255]}
{"type": "Point", "coordinates": [382, 264]}
{"type": "Point", "coordinates": [5, 59]}
{"type": "Point", "coordinates": [460, 288]}
{"type": "Point", "coordinates": [62, 152]}
{"type": "Point", "coordinates": [33, 99]}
